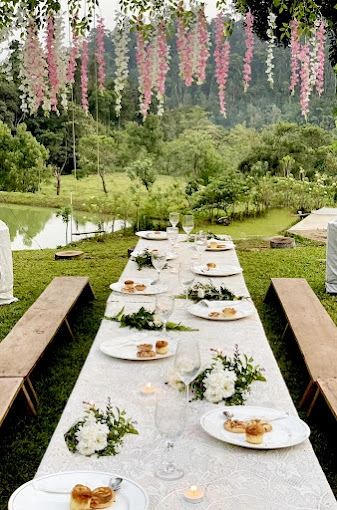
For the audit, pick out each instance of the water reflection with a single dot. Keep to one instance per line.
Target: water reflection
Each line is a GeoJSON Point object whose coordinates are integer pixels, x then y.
{"type": "Point", "coordinates": [34, 228]}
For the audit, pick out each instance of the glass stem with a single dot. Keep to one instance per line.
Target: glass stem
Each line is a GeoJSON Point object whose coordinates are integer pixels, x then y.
{"type": "Point", "coordinates": [164, 327]}
{"type": "Point", "coordinates": [170, 467]}
{"type": "Point", "coordinates": [187, 393]}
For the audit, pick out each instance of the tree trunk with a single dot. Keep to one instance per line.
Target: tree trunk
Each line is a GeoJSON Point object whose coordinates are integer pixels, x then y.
{"type": "Point", "coordinates": [58, 184]}
{"type": "Point", "coordinates": [101, 174]}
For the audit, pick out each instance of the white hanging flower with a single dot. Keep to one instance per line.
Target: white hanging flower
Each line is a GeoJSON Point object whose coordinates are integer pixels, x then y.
{"type": "Point", "coordinates": [270, 50]}
{"type": "Point", "coordinates": [121, 40]}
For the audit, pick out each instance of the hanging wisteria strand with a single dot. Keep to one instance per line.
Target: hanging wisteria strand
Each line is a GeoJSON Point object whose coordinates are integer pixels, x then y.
{"type": "Point", "coordinates": [295, 46]}
{"type": "Point", "coordinates": [271, 42]}
{"type": "Point", "coordinates": [143, 54]}
{"type": "Point", "coordinates": [121, 40]}
{"type": "Point", "coordinates": [163, 65]}
{"type": "Point", "coordinates": [247, 71]}
{"type": "Point", "coordinates": [52, 66]}
{"type": "Point", "coordinates": [221, 56]}
{"type": "Point", "coordinates": [61, 60]}
{"type": "Point", "coordinates": [100, 53]}
{"type": "Point", "coordinates": [305, 78]}
{"type": "Point", "coordinates": [73, 55]}
{"type": "Point", "coordinates": [184, 49]}
{"type": "Point", "coordinates": [321, 38]}
{"type": "Point", "coordinates": [84, 75]}
{"type": "Point", "coordinates": [203, 46]}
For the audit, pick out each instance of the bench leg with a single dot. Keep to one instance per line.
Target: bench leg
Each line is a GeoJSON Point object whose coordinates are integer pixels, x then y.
{"type": "Point", "coordinates": [270, 296]}
{"type": "Point", "coordinates": [308, 393]}
{"type": "Point", "coordinates": [313, 402]}
{"type": "Point", "coordinates": [29, 400]}
{"type": "Point", "coordinates": [67, 325]}
{"type": "Point", "coordinates": [31, 391]}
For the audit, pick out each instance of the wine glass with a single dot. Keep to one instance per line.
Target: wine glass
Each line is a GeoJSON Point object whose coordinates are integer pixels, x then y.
{"type": "Point", "coordinates": [158, 259]}
{"type": "Point", "coordinates": [164, 308]}
{"type": "Point", "coordinates": [187, 361]}
{"type": "Point", "coordinates": [172, 235]}
{"type": "Point", "coordinates": [200, 243]}
{"type": "Point", "coordinates": [188, 224]}
{"type": "Point", "coordinates": [174, 218]}
{"type": "Point", "coordinates": [186, 279]}
{"type": "Point", "coordinates": [170, 417]}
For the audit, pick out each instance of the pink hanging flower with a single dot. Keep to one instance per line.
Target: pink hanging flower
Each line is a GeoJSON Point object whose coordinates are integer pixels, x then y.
{"type": "Point", "coordinates": [36, 69]}
{"type": "Point", "coordinates": [163, 66]}
{"type": "Point", "coordinates": [321, 38]}
{"type": "Point", "coordinates": [305, 78]}
{"type": "Point", "coordinates": [100, 54]}
{"type": "Point", "coordinates": [295, 54]}
{"type": "Point", "coordinates": [143, 59]}
{"type": "Point", "coordinates": [84, 75]}
{"type": "Point", "coordinates": [203, 39]}
{"type": "Point", "coordinates": [52, 64]}
{"type": "Point", "coordinates": [247, 71]}
{"type": "Point", "coordinates": [184, 48]}
{"type": "Point", "coordinates": [221, 56]}
{"type": "Point", "coordinates": [73, 55]}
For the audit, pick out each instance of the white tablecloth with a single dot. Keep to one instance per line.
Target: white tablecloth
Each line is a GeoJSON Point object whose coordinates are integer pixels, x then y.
{"type": "Point", "coordinates": [233, 477]}
{"type": "Point", "coordinates": [6, 267]}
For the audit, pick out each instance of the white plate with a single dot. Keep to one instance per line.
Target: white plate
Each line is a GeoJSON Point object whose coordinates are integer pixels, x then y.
{"type": "Point", "coordinates": [126, 347]}
{"type": "Point", "coordinates": [31, 495]}
{"type": "Point", "coordinates": [219, 270]}
{"type": "Point", "coordinates": [222, 245]}
{"type": "Point", "coordinates": [243, 309]}
{"type": "Point", "coordinates": [150, 289]}
{"type": "Point", "coordinates": [287, 430]}
{"type": "Point", "coordinates": [154, 235]}
{"type": "Point", "coordinates": [169, 255]}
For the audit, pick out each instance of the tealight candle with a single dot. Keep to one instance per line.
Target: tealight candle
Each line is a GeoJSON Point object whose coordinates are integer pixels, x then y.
{"type": "Point", "coordinates": [148, 389]}
{"type": "Point", "coordinates": [194, 494]}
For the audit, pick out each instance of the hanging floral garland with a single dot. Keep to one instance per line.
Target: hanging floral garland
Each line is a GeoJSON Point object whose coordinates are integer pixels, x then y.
{"type": "Point", "coordinates": [321, 39]}
{"type": "Point", "coordinates": [121, 40]}
{"type": "Point", "coordinates": [84, 75]}
{"type": "Point", "coordinates": [73, 55]}
{"type": "Point", "coordinates": [143, 59]}
{"type": "Point", "coordinates": [221, 56]}
{"type": "Point", "coordinates": [100, 54]}
{"type": "Point", "coordinates": [247, 71]}
{"type": "Point", "coordinates": [270, 49]}
{"type": "Point", "coordinates": [305, 78]}
{"type": "Point", "coordinates": [163, 65]}
{"type": "Point", "coordinates": [295, 46]}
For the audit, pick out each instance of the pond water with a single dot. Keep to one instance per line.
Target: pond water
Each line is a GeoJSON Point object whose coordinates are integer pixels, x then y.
{"type": "Point", "coordinates": [34, 228]}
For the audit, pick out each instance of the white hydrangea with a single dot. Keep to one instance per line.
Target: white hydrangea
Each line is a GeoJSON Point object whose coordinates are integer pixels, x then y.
{"type": "Point", "coordinates": [219, 383]}
{"type": "Point", "coordinates": [201, 293]}
{"type": "Point", "coordinates": [92, 436]}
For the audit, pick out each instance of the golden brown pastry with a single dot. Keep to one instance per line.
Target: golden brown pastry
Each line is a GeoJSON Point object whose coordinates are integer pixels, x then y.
{"type": "Point", "coordinates": [130, 290]}
{"type": "Point", "coordinates": [129, 284]}
{"type": "Point", "coordinates": [161, 347]}
{"type": "Point", "coordinates": [254, 433]}
{"type": "Point", "coordinates": [140, 287]}
{"type": "Point", "coordinates": [213, 245]}
{"type": "Point", "coordinates": [236, 426]}
{"type": "Point", "coordinates": [216, 315]}
{"type": "Point", "coordinates": [102, 497]}
{"type": "Point", "coordinates": [146, 354]}
{"type": "Point", "coordinates": [80, 498]}
{"type": "Point", "coordinates": [211, 265]}
{"type": "Point", "coordinates": [145, 347]}
{"type": "Point", "coordinates": [229, 312]}
{"type": "Point", "coordinates": [265, 424]}
{"type": "Point", "coordinates": [220, 245]}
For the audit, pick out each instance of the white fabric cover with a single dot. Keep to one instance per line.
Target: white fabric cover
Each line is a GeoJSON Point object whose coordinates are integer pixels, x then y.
{"type": "Point", "coordinates": [6, 267]}
{"type": "Point", "coordinates": [331, 257]}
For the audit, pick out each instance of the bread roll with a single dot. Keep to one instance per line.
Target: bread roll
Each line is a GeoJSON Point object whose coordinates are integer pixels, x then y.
{"type": "Point", "coordinates": [254, 433]}
{"type": "Point", "coordinates": [102, 497]}
{"type": "Point", "coordinates": [161, 347]}
{"type": "Point", "coordinates": [236, 426]}
{"type": "Point", "coordinates": [80, 498]}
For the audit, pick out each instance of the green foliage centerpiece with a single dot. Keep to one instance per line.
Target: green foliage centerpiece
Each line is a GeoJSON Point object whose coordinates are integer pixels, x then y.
{"type": "Point", "coordinates": [208, 291]}
{"type": "Point", "coordinates": [226, 379]}
{"type": "Point", "coordinates": [99, 432]}
{"type": "Point", "coordinates": [144, 319]}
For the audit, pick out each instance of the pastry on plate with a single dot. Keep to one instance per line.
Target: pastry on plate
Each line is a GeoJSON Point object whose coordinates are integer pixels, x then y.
{"type": "Point", "coordinates": [145, 347]}
{"type": "Point", "coordinates": [229, 312]}
{"type": "Point", "coordinates": [80, 498]}
{"type": "Point", "coordinates": [210, 265]}
{"type": "Point", "coordinates": [146, 354]}
{"type": "Point", "coordinates": [129, 290]}
{"type": "Point", "coordinates": [140, 287]}
{"type": "Point", "coordinates": [161, 347]}
{"type": "Point", "coordinates": [254, 433]}
{"type": "Point", "coordinates": [265, 424]}
{"type": "Point", "coordinates": [236, 426]}
{"type": "Point", "coordinates": [215, 315]}
{"type": "Point", "coordinates": [129, 284]}
{"type": "Point", "coordinates": [213, 245]}
{"type": "Point", "coordinates": [102, 497]}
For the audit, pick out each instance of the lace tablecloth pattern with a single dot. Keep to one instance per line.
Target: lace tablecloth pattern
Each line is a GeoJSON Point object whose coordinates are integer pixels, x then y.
{"type": "Point", "coordinates": [232, 477]}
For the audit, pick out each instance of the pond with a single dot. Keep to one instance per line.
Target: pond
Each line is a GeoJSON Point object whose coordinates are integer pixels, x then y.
{"type": "Point", "coordinates": [34, 228]}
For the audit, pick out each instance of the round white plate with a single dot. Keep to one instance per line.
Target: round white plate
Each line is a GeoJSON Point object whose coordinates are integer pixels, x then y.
{"type": "Point", "coordinates": [126, 347]}
{"type": "Point", "coordinates": [287, 430]}
{"type": "Point", "coordinates": [157, 288]}
{"type": "Point", "coordinates": [243, 309]}
{"type": "Point", "coordinates": [169, 255]}
{"type": "Point", "coordinates": [221, 245]}
{"type": "Point", "coordinates": [52, 492]}
{"type": "Point", "coordinates": [153, 235]}
{"type": "Point", "coordinates": [219, 270]}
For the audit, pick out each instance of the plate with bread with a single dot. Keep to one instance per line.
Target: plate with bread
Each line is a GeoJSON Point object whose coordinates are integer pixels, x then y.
{"type": "Point", "coordinates": [153, 235]}
{"type": "Point", "coordinates": [139, 347]}
{"type": "Point", "coordinates": [222, 310]}
{"type": "Point", "coordinates": [255, 427]}
{"type": "Point", "coordinates": [213, 269]}
{"type": "Point", "coordinates": [215, 245]}
{"type": "Point", "coordinates": [78, 490]}
{"type": "Point", "coordinates": [143, 286]}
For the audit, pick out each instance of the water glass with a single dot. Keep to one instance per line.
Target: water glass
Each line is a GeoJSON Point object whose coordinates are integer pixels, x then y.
{"type": "Point", "coordinates": [158, 259]}
{"type": "Point", "coordinates": [164, 308]}
{"type": "Point", "coordinates": [186, 279]}
{"type": "Point", "coordinates": [170, 418]}
{"type": "Point", "coordinates": [200, 243]}
{"type": "Point", "coordinates": [187, 361]}
{"type": "Point", "coordinates": [172, 235]}
{"type": "Point", "coordinates": [174, 218]}
{"type": "Point", "coordinates": [188, 224]}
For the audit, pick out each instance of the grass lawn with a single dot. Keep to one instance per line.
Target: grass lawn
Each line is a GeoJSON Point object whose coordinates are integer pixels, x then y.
{"type": "Point", "coordinates": [24, 439]}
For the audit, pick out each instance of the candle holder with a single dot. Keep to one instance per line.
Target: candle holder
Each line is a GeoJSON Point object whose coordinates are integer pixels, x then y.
{"type": "Point", "coordinates": [194, 494]}
{"type": "Point", "coordinates": [148, 389]}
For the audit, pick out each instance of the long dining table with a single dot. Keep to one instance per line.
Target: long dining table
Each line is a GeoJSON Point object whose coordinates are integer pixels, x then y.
{"type": "Point", "coordinates": [230, 476]}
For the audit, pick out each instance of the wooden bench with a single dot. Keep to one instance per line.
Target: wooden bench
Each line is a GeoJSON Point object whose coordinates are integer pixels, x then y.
{"type": "Point", "coordinates": [25, 344]}
{"type": "Point", "coordinates": [10, 387]}
{"type": "Point", "coordinates": [310, 325]}
{"type": "Point", "coordinates": [328, 389]}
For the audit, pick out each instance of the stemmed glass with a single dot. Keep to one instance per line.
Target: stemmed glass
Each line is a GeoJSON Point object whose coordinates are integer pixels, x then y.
{"type": "Point", "coordinates": [174, 218]}
{"type": "Point", "coordinates": [164, 308]}
{"type": "Point", "coordinates": [186, 279]}
{"type": "Point", "coordinates": [187, 361]}
{"type": "Point", "coordinates": [172, 235]}
{"type": "Point", "coordinates": [158, 260]}
{"type": "Point", "coordinates": [200, 243]}
{"type": "Point", "coordinates": [188, 224]}
{"type": "Point", "coordinates": [170, 417]}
